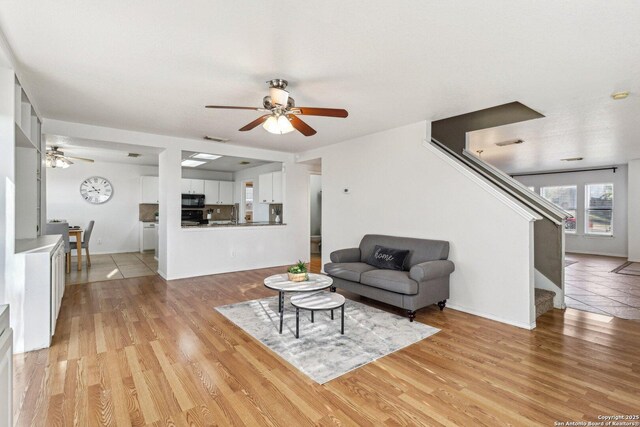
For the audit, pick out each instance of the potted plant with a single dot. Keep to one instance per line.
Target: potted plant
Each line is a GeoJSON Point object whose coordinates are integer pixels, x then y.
{"type": "Point", "coordinates": [298, 272]}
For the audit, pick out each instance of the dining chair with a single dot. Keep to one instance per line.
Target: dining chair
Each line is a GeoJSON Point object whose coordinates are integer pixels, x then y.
{"type": "Point", "coordinates": [61, 228]}
{"type": "Point", "coordinates": [85, 241]}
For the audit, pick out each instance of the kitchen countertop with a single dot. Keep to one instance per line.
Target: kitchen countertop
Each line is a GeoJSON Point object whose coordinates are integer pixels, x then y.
{"type": "Point", "coordinates": [44, 243]}
{"type": "Point", "coordinates": [232, 225]}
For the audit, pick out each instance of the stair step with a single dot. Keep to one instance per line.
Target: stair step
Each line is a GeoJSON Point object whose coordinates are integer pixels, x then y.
{"type": "Point", "coordinates": [544, 301]}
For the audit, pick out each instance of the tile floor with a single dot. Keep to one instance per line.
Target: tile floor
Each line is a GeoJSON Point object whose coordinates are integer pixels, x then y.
{"type": "Point", "coordinates": [112, 267]}
{"type": "Point", "coordinates": [590, 286]}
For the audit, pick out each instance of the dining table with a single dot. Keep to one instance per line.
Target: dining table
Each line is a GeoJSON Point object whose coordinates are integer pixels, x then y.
{"type": "Point", "coordinates": [77, 233]}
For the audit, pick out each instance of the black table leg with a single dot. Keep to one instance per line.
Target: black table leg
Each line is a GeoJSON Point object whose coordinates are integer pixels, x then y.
{"type": "Point", "coordinates": [281, 310]}
{"type": "Point", "coordinates": [297, 322]}
{"type": "Point", "coordinates": [342, 323]}
{"type": "Point", "coordinates": [311, 316]}
{"type": "Point", "coordinates": [280, 301]}
{"type": "Point", "coordinates": [331, 314]}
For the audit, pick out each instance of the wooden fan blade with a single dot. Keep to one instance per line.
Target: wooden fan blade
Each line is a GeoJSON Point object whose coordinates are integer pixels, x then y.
{"type": "Point", "coordinates": [82, 159]}
{"type": "Point", "coordinates": [327, 112]}
{"type": "Point", "coordinates": [301, 126]}
{"type": "Point", "coordinates": [232, 108]}
{"type": "Point", "coordinates": [255, 123]}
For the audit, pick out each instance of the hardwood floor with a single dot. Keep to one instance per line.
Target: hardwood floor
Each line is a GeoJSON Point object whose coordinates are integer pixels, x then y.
{"type": "Point", "coordinates": [143, 351]}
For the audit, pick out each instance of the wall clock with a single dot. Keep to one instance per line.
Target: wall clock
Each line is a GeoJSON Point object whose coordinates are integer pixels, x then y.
{"type": "Point", "coordinates": [96, 190]}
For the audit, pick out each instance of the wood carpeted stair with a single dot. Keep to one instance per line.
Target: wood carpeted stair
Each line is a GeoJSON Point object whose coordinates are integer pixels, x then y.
{"type": "Point", "coordinates": [544, 301]}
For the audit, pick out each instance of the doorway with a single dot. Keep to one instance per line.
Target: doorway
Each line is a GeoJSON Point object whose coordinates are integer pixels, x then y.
{"type": "Point", "coordinates": [247, 197]}
{"type": "Point", "coordinates": [315, 218]}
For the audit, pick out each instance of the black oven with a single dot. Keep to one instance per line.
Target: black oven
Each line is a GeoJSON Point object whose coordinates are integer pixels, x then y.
{"type": "Point", "coordinates": [193, 200]}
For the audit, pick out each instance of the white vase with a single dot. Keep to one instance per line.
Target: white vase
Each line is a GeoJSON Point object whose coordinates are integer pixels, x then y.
{"type": "Point", "coordinates": [277, 219]}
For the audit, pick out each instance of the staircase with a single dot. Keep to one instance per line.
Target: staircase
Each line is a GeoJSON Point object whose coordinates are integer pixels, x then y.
{"type": "Point", "coordinates": [544, 301]}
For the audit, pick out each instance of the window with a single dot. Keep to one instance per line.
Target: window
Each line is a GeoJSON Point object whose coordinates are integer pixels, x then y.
{"type": "Point", "coordinates": [599, 209]}
{"type": "Point", "coordinates": [565, 197]}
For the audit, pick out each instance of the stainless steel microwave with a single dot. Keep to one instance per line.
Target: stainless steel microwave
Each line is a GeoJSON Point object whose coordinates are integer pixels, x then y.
{"type": "Point", "coordinates": [193, 201]}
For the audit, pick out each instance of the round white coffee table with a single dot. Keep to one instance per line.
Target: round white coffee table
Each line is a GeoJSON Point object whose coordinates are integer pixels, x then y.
{"type": "Point", "coordinates": [318, 301]}
{"type": "Point", "coordinates": [282, 284]}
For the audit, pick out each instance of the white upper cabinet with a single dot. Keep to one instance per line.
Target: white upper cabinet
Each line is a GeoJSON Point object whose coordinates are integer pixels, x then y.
{"type": "Point", "coordinates": [226, 193]}
{"type": "Point", "coordinates": [192, 186]}
{"type": "Point", "coordinates": [211, 192]}
{"type": "Point", "coordinates": [218, 192]}
{"type": "Point", "coordinates": [150, 189]}
{"type": "Point", "coordinates": [270, 187]}
{"type": "Point", "coordinates": [277, 187]}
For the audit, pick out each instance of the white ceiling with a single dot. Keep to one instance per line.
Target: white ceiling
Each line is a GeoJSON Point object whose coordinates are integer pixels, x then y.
{"type": "Point", "coordinates": [152, 65]}
{"type": "Point", "coordinates": [104, 151]}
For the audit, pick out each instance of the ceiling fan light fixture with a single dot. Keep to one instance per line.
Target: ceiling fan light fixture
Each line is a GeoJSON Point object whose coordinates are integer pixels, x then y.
{"type": "Point", "coordinates": [278, 125]}
{"type": "Point", "coordinates": [56, 162]}
{"type": "Point", "coordinates": [278, 96]}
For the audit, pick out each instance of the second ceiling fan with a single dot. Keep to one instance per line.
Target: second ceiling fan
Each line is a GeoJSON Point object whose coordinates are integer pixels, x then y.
{"type": "Point", "coordinates": [282, 112]}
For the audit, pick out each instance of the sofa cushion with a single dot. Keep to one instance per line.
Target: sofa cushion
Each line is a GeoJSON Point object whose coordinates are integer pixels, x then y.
{"type": "Point", "coordinates": [347, 270]}
{"type": "Point", "coordinates": [390, 280]}
{"type": "Point", "coordinates": [420, 250]}
{"type": "Point", "coordinates": [387, 258]}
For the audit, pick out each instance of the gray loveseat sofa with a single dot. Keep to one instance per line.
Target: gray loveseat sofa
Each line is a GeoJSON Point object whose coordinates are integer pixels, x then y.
{"type": "Point", "coordinates": [423, 280]}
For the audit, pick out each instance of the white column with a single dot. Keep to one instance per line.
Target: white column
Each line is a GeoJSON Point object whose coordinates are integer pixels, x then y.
{"type": "Point", "coordinates": [170, 173]}
{"type": "Point", "coordinates": [634, 210]}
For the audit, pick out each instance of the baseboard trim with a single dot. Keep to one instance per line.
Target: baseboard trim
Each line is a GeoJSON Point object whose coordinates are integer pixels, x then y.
{"type": "Point", "coordinates": [162, 274]}
{"type": "Point", "coordinates": [490, 316]}
{"type": "Point", "coordinates": [596, 253]}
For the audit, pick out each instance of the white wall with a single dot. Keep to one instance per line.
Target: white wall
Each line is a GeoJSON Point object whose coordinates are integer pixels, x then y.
{"type": "Point", "coordinates": [117, 228]}
{"type": "Point", "coordinates": [195, 173]}
{"type": "Point", "coordinates": [7, 189]}
{"type": "Point", "coordinates": [634, 210]}
{"type": "Point", "coordinates": [580, 242]}
{"type": "Point", "coordinates": [315, 202]}
{"type": "Point", "coordinates": [399, 187]}
{"type": "Point", "coordinates": [260, 210]}
{"type": "Point", "coordinates": [26, 198]}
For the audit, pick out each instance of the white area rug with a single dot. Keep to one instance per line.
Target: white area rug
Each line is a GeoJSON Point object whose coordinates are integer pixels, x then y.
{"type": "Point", "coordinates": [321, 352]}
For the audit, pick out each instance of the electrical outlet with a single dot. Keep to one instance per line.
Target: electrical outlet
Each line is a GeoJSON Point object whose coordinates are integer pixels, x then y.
{"type": "Point", "coordinates": [99, 241]}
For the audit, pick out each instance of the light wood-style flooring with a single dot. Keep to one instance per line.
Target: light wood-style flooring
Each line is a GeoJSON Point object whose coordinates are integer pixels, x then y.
{"type": "Point", "coordinates": [143, 351]}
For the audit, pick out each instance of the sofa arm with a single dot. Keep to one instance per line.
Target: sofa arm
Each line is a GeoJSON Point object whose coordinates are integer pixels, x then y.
{"type": "Point", "coordinates": [431, 270]}
{"type": "Point", "coordinates": [346, 255]}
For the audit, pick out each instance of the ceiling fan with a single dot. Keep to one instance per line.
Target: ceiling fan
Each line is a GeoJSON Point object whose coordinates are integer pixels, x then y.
{"type": "Point", "coordinates": [282, 113]}
{"type": "Point", "coordinates": [56, 158]}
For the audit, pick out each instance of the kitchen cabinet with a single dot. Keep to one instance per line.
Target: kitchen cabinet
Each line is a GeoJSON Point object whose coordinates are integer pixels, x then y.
{"type": "Point", "coordinates": [226, 192]}
{"type": "Point", "coordinates": [192, 186]}
{"type": "Point", "coordinates": [150, 189]}
{"type": "Point", "coordinates": [42, 279]}
{"type": "Point", "coordinates": [218, 192]}
{"type": "Point", "coordinates": [270, 187]}
{"type": "Point", "coordinates": [211, 192]}
{"type": "Point", "coordinates": [149, 236]}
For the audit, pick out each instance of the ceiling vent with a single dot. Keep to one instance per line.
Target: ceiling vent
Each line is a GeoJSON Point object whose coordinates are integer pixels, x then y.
{"type": "Point", "coordinates": [134, 155]}
{"type": "Point", "coordinates": [215, 139]}
{"type": "Point", "coordinates": [572, 159]}
{"type": "Point", "coordinates": [244, 162]}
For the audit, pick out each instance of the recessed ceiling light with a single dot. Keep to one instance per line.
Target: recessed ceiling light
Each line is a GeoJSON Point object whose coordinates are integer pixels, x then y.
{"type": "Point", "coordinates": [509, 142]}
{"type": "Point", "coordinates": [215, 139]}
{"type": "Point", "coordinates": [133, 155]}
{"type": "Point", "coordinates": [192, 163]}
{"type": "Point", "coordinates": [620, 95]}
{"type": "Point", "coordinates": [244, 162]}
{"type": "Point", "coordinates": [572, 159]}
{"type": "Point", "coordinates": [205, 156]}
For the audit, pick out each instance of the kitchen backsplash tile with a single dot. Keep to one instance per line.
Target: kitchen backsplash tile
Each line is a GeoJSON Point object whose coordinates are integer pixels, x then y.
{"type": "Point", "coordinates": [147, 212]}
{"type": "Point", "coordinates": [274, 208]}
